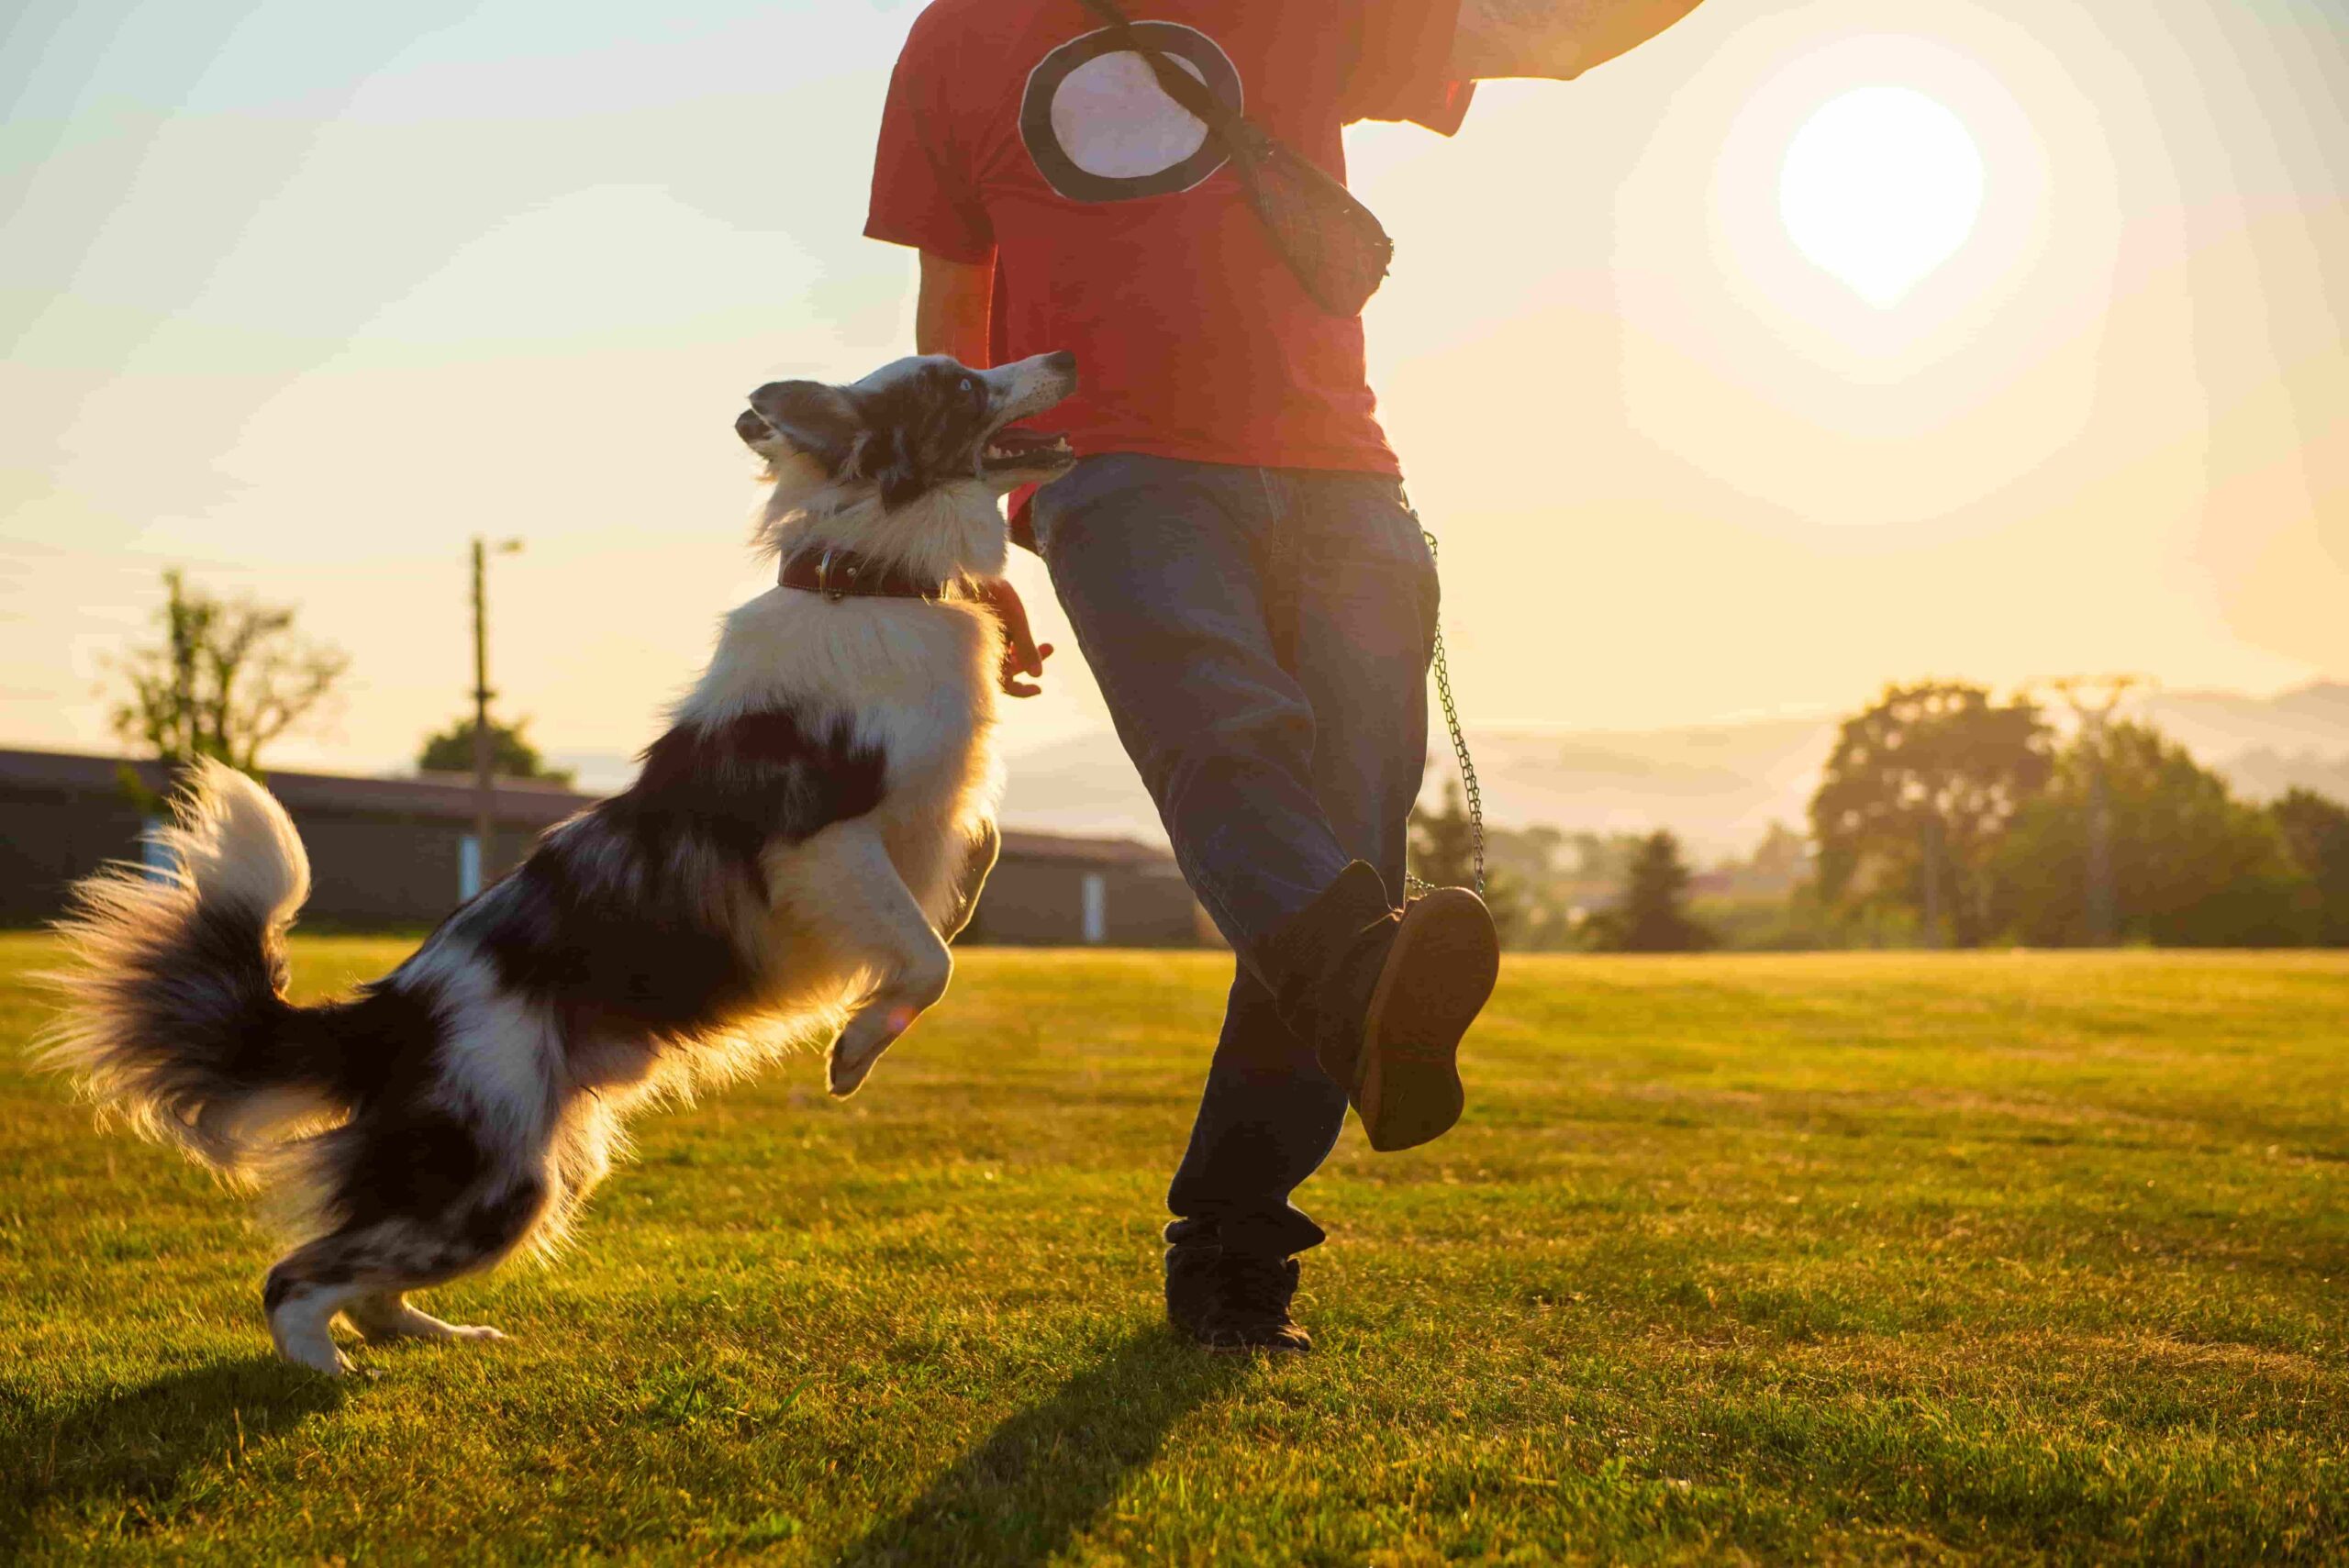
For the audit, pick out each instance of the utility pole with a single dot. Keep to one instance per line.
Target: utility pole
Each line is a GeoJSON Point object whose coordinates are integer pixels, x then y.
{"type": "Point", "coordinates": [485, 777]}
{"type": "Point", "coordinates": [2095, 718]}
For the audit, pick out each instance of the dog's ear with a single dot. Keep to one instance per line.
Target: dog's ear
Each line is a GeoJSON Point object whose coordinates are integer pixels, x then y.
{"type": "Point", "coordinates": [805, 417]}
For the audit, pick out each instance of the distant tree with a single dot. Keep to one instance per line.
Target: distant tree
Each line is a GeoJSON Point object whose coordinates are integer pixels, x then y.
{"type": "Point", "coordinates": [1653, 914]}
{"type": "Point", "coordinates": [228, 677]}
{"type": "Point", "coordinates": [1443, 852]}
{"type": "Point", "coordinates": [1783, 855]}
{"type": "Point", "coordinates": [2316, 829]}
{"type": "Point", "coordinates": [1603, 857]}
{"type": "Point", "coordinates": [511, 755]}
{"type": "Point", "coordinates": [1528, 853]}
{"type": "Point", "coordinates": [1539, 908]}
{"type": "Point", "coordinates": [1779, 863]}
{"type": "Point", "coordinates": [1443, 842]}
{"type": "Point", "coordinates": [1917, 794]}
{"type": "Point", "coordinates": [1769, 900]}
{"type": "Point", "coordinates": [2191, 865]}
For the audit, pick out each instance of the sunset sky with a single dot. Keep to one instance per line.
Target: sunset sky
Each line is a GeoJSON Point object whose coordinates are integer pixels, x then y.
{"type": "Point", "coordinates": [302, 297]}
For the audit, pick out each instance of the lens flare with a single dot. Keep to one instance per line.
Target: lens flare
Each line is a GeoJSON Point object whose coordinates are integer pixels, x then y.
{"type": "Point", "coordinates": [1881, 187]}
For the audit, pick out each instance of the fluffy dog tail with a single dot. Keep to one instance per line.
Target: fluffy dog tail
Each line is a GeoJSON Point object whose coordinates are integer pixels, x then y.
{"type": "Point", "coordinates": [174, 1010]}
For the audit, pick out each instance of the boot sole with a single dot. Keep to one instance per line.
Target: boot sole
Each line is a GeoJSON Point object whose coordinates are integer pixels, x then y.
{"type": "Point", "coordinates": [1437, 979]}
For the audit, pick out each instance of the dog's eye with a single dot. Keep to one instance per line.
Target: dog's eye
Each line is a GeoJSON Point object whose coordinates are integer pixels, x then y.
{"type": "Point", "coordinates": [969, 386]}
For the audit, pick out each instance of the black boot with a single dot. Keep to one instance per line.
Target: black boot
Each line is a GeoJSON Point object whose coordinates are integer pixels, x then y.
{"type": "Point", "coordinates": [1384, 996]}
{"type": "Point", "coordinates": [1233, 1301]}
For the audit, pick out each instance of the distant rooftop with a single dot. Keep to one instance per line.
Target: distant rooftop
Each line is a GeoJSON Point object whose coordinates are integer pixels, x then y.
{"type": "Point", "coordinates": [530, 804]}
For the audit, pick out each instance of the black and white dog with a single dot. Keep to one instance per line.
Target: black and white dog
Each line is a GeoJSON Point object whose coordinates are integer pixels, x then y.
{"type": "Point", "coordinates": [789, 864]}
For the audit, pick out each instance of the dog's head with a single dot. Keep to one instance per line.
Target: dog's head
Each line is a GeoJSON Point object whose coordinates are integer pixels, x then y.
{"type": "Point", "coordinates": [917, 447]}
{"type": "Point", "coordinates": [913, 425]}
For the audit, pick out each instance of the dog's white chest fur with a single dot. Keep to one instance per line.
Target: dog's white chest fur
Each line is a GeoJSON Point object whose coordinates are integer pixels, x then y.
{"type": "Point", "coordinates": [914, 680]}
{"type": "Point", "coordinates": [936, 728]}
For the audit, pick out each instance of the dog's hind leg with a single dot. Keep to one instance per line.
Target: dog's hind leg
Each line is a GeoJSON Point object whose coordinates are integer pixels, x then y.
{"type": "Point", "coordinates": [424, 1197]}
{"type": "Point", "coordinates": [387, 1316]}
{"type": "Point", "coordinates": [303, 1292]}
{"type": "Point", "coordinates": [876, 922]}
{"type": "Point", "coordinates": [362, 1271]}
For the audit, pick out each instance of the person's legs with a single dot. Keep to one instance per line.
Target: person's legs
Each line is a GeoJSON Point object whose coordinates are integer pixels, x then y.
{"type": "Point", "coordinates": [1261, 639]}
{"type": "Point", "coordinates": [1350, 606]}
{"type": "Point", "coordinates": [1166, 572]}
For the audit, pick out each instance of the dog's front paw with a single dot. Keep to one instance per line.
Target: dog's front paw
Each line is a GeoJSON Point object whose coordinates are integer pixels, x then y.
{"type": "Point", "coordinates": [868, 1034]}
{"type": "Point", "coordinates": [845, 1073]}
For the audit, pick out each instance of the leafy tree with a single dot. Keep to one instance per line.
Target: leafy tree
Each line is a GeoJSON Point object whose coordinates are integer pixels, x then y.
{"type": "Point", "coordinates": [1917, 794]}
{"type": "Point", "coordinates": [228, 677]}
{"type": "Point", "coordinates": [1783, 855]}
{"type": "Point", "coordinates": [2191, 865]}
{"type": "Point", "coordinates": [1443, 842]}
{"type": "Point", "coordinates": [511, 755]}
{"type": "Point", "coordinates": [1653, 914]}
{"type": "Point", "coordinates": [1443, 852]}
{"type": "Point", "coordinates": [1779, 863]}
{"type": "Point", "coordinates": [1522, 864]}
{"type": "Point", "coordinates": [1603, 857]}
{"type": "Point", "coordinates": [2317, 830]}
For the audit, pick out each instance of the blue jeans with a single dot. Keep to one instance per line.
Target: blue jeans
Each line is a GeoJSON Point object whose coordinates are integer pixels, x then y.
{"type": "Point", "coordinates": [1262, 637]}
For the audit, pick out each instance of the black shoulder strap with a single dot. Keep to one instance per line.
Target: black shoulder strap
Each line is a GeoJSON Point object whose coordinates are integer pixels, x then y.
{"type": "Point", "coordinates": [1174, 81]}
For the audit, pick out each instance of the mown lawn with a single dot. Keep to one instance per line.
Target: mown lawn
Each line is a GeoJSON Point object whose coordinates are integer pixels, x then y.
{"type": "Point", "coordinates": [1840, 1257]}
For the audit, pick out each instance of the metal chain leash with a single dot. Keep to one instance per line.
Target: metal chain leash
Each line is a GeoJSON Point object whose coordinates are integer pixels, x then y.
{"type": "Point", "coordinates": [1413, 886]}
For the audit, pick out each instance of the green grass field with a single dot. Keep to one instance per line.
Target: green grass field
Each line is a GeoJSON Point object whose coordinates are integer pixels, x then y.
{"type": "Point", "coordinates": [1848, 1258]}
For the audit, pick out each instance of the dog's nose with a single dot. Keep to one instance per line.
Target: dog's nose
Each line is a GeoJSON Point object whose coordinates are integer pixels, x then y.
{"type": "Point", "coordinates": [1063, 362]}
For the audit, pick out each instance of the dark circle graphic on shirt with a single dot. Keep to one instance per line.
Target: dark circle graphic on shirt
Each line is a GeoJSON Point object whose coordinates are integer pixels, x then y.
{"type": "Point", "coordinates": [1100, 128]}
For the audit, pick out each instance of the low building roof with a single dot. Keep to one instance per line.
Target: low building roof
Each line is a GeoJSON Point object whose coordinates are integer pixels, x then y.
{"type": "Point", "coordinates": [528, 804]}
{"type": "Point", "coordinates": [1034, 845]}
{"type": "Point", "coordinates": [517, 803]}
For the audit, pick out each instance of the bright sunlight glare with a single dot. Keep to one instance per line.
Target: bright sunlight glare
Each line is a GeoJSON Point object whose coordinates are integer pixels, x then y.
{"type": "Point", "coordinates": [1880, 187]}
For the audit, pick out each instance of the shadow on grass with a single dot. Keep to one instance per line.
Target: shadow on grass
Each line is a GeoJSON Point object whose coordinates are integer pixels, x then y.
{"type": "Point", "coordinates": [1042, 1475]}
{"type": "Point", "coordinates": [124, 1453]}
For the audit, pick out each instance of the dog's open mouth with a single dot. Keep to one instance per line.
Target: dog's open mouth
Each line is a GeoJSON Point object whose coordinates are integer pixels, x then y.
{"type": "Point", "coordinates": [1024, 450]}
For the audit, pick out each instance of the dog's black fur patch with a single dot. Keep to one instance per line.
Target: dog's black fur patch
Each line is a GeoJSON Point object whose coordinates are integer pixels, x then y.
{"type": "Point", "coordinates": [613, 917]}
{"type": "Point", "coordinates": [410, 1159]}
{"type": "Point", "coordinates": [760, 777]}
{"type": "Point", "coordinates": [925, 428]}
{"type": "Point", "coordinates": [374, 1048]}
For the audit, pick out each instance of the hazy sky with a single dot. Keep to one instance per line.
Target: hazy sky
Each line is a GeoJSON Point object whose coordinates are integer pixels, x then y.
{"type": "Point", "coordinates": [302, 297]}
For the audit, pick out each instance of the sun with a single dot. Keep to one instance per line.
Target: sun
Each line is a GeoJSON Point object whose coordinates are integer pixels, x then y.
{"type": "Point", "coordinates": [1880, 187]}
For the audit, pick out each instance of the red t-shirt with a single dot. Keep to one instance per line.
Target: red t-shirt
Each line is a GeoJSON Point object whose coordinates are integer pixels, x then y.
{"type": "Point", "coordinates": [1020, 130]}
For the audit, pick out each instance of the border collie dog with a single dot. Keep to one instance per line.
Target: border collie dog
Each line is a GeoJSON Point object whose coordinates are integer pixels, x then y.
{"type": "Point", "coordinates": [789, 865]}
